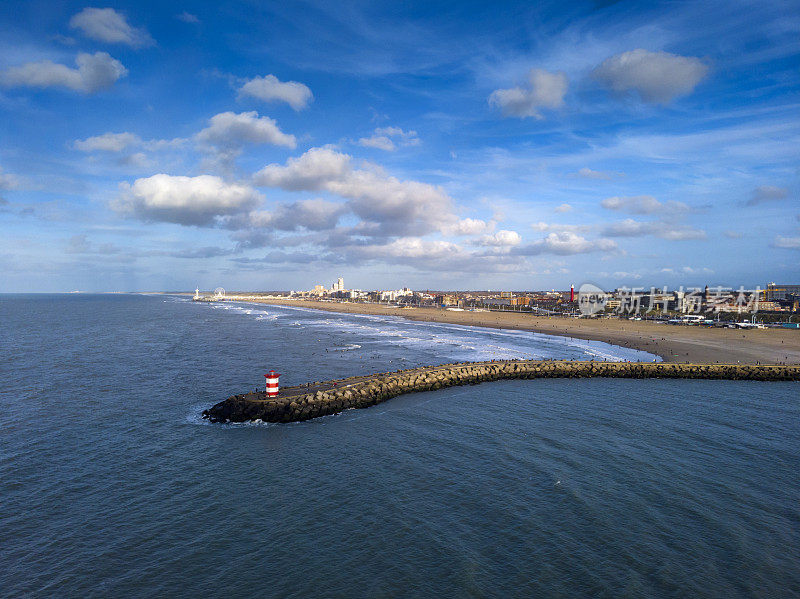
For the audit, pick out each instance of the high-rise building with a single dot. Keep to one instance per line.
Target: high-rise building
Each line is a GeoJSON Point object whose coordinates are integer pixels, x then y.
{"type": "Point", "coordinates": [781, 292]}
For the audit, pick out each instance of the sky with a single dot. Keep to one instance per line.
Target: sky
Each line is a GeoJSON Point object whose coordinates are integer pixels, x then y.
{"type": "Point", "coordinates": [434, 145]}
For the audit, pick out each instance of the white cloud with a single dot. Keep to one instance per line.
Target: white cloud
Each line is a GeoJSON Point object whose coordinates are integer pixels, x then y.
{"type": "Point", "coordinates": [270, 89]}
{"type": "Point", "coordinates": [563, 208]}
{"type": "Point", "coordinates": [128, 149]}
{"type": "Point", "coordinates": [733, 234]}
{"type": "Point", "coordinates": [543, 226]}
{"type": "Point", "coordinates": [767, 193]}
{"type": "Point", "coordinates": [312, 171]}
{"type": "Point", "coordinates": [414, 247]}
{"type": "Point", "coordinates": [80, 244]}
{"type": "Point", "coordinates": [566, 243]}
{"type": "Point", "coordinates": [187, 17]}
{"type": "Point", "coordinates": [231, 130]}
{"type": "Point", "coordinates": [468, 226]}
{"type": "Point", "coordinates": [587, 173]}
{"type": "Point", "coordinates": [545, 90]}
{"type": "Point", "coordinates": [503, 238]}
{"type": "Point", "coordinates": [688, 270]}
{"type": "Point", "coordinates": [384, 139]}
{"type": "Point", "coordinates": [643, 205]}
{"type": "Point", "coordinates": [108, 142]}
{"type": "Point", "coordinates": [8, 181]}
{"type": "Point", "coordinates": [658, 77]}
{"type": "Point", "coordinates": [95, 72]}
{"type": "Point", "coordinates": [197, 201]}
{"type": "Point", "coordinates": [621, 274]}
{"type": "Point", "coordinates": [672, 232]}
{"type": "Point", "coordinates": [389, 205]}
{"type": "Point", "coordinates": [789, 243]}
{"type": "Point", "coordinates": [107, 25]}
{"type": "Point", "coordinates": [315, 215]}
{"type": "Point", "coordinates": [379, 142]}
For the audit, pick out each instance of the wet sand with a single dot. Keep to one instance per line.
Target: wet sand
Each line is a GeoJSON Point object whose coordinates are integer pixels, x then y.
{"type": "Point", "coordinates": [673, 343]}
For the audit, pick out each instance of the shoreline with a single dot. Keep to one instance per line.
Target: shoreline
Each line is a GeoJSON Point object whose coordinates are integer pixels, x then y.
{"type": "Point", "coordinates": [674, 344]}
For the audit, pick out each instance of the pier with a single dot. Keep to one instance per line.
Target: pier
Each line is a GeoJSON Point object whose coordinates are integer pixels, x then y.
{"type": "Point", "coordinates": [304, 402]}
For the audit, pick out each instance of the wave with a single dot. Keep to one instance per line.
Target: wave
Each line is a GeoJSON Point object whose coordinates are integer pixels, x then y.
{"type": "Point", "coordinates": [348, 347]}
{"type": "Point", "coordinates": [376, 333]}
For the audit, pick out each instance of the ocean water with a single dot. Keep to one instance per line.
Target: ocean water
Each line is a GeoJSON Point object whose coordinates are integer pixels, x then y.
{"type": "Point", "coordinates": [112, 485]}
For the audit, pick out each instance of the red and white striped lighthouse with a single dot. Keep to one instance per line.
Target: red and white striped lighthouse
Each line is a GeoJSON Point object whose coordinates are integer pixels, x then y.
{"type": "Point", "coordinates": [272, 383]}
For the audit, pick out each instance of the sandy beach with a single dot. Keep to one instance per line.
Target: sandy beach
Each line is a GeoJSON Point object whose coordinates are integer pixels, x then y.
{"type": "Point", "coordinates": [672, 343]}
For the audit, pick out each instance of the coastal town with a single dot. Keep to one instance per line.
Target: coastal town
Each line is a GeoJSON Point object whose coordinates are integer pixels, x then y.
{"type": "Point", "coordinates": [774, 305]}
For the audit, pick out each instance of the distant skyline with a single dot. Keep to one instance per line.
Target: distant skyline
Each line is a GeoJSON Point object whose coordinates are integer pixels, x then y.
{"type": "Point", "coordinates": [251, 145]}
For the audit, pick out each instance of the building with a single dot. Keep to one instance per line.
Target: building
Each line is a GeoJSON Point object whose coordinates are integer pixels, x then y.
{"type": "Point", "coordinates": [782, 292]}
{"type": "Point", "coordinates": [338, 285]}
{"type": "Point", "coordinates": [446, 299]}
{"type": "Point", "coordinates": [396, 294]}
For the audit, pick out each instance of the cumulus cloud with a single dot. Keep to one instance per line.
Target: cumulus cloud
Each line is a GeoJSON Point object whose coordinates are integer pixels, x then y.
{"type": "Point", "coordinates": [388, 206]}
{"type": "Point", "coordinates": [503, 238]}
{"type": "Point", "coordinates": [543, 226]}
{"type": "Point", "coordinates": [231, 130]}
{"type": "Point", "coordinates": [198, 201]}
{"type": "Point", "coordinates": [94, 72]}
{"type": "Point", "coordinates": [270, 89]}
{"type": "Point", "coordinates": [563, 208]}
{"type": "Point", "coordinates": [544, 90]}
{"type": "Point", "coordinates": [789, 243]}
{"type": "Point", "coordinates": [379, 142]}
{"type": "Point", "coordinates": [658, 77]}
{"type": "Point", "coordinates": [388, 138]}
{"type": "Point", "coordinates": [314, 215]}
{"type": "Point", "coordinates": [413, 247]}
{"type": "Point", "coordinates": [128, 148]}
{"type": "Point", "coordinates": [108, 142]}
{"type": "Point", "coordinates": [672, 232]}
{"type": "Point", "coordinates": [566, 243]}
{"type": "Point", "coordinates": [313, 171]}
{"type": "Point", "coordinates": [468, 226]}
{"type": "Point", "coordinates": [107, 25]}
{"type": "Point", "coordinates": [643, 205]}
{"type": "Point", "coordinates": [767, 193]}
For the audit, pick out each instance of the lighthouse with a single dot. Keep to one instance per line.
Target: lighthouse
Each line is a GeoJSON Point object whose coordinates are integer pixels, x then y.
{"type": "Point", "coordinates": [272, 383]}
{"type": "Point", "coordinates": [572, 293]}
{"type": "Point", "coordinates": [197, 293]}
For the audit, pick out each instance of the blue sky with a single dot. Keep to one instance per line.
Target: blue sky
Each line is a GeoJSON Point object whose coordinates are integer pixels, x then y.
{"type": "Point", "coordinates": [256, 145]}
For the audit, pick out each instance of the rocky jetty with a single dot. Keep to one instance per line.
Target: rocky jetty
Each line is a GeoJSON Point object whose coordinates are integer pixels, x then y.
{"type": "Point", "coordinates": [321, 399]}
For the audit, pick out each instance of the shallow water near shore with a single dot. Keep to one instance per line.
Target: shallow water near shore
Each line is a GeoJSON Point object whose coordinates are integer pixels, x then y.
{"type": "Point", "coordinates": [112, 485]}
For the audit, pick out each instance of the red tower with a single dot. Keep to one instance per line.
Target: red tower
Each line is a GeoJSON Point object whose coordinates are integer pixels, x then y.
{"type": "Point", "coordinates": [272, 383]}
{"type": "Point", "coordinates": [572, 293]}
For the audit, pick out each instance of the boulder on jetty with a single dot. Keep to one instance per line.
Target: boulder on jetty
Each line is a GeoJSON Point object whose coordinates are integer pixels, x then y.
{"type": "Point", "coordinates": [304, 402]}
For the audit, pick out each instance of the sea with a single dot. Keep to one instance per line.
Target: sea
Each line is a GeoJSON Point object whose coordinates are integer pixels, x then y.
{"type": "Point", "coordinates": [112, 485]}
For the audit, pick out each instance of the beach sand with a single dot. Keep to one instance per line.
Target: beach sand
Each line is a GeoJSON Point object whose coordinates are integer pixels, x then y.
{"type": "Point", "coordinates": [673, 343]}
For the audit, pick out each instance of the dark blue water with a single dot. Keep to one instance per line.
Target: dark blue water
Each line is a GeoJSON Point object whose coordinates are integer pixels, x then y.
{"type": "Point", "coordinates": [110, 485]}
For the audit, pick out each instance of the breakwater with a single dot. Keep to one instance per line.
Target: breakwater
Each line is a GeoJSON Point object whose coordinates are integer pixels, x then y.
{"type": "Point", "coordinates": [331, 397]}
